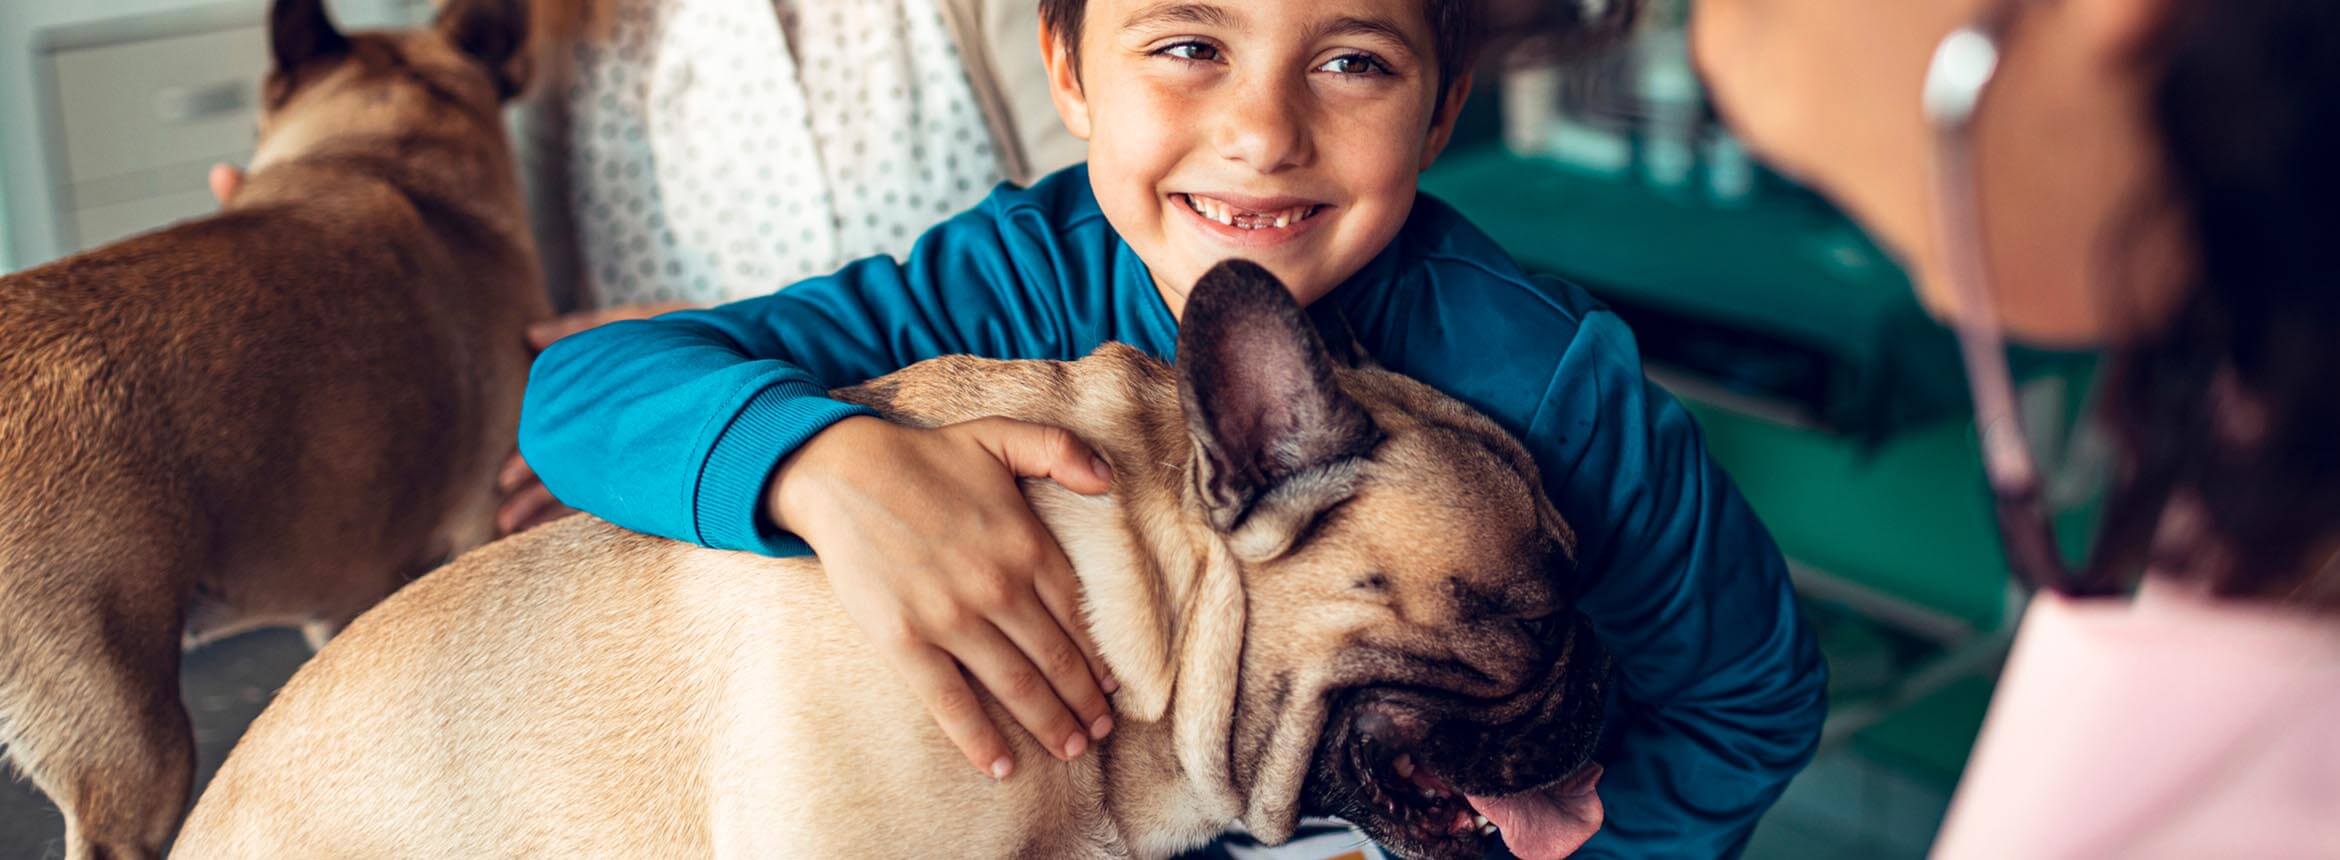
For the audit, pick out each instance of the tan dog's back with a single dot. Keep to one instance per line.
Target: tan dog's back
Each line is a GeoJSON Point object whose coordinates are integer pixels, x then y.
{"type": "Point", "coordinates": [701, 703]}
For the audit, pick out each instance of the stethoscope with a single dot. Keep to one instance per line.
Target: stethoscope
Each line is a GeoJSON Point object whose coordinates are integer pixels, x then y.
{"type": "Point", "coordinates": [1964, 65]}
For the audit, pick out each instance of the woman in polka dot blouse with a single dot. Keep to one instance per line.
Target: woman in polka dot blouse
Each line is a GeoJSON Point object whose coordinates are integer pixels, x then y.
{"type": "Point", "coordinates": [690, 152]}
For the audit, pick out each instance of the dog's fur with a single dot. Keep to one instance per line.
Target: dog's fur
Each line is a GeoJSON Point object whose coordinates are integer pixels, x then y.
{"type": "Point", "coordinates": [1293, 554]}
{"type": "Point", "coordinates": [277, 414]}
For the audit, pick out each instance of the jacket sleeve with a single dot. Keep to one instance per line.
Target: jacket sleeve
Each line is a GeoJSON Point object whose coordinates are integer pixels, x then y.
{"type": "Point", "coordinates": [1720, 689]}
{"type": "Point", "coordinates": [674, 425]}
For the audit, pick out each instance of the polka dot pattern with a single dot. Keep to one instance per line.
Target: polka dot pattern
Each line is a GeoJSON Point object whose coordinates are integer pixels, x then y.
{"type": "Point", "coordinates": [722, 149]}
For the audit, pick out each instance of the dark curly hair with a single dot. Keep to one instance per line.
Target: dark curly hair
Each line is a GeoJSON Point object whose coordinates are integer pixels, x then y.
{"type": "Point", "coordinates": [2231, 411]}
{"type": "Point", "coordinates": [1461, 29]}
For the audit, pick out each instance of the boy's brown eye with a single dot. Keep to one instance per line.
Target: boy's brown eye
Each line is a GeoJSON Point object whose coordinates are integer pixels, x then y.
{"type": "Point", "coordinates": [1351, 64]}
{"type": "Point", "coordinates": [1196, 51]}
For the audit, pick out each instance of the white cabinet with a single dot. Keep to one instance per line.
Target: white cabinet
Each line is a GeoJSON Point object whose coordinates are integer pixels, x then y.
{"type": "Point", "coordinates": [137, 125]}
{"type": "Point", "coordinates": [131, 103]}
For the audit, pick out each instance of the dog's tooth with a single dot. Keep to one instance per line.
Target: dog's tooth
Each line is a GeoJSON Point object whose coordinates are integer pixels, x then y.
{"type": "Point", "coordinates": [1404, 766]}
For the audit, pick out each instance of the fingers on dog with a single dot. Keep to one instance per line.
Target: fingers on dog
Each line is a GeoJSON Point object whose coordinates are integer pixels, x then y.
{"type": "Point", "coordinates": [1043, 638]}
{"type": "Point", "coordinates": [1042, 451]}
{"type": "Point", "coordinates": [1002, 668]}
{"type": "Point", "coordinates": [939, 684]}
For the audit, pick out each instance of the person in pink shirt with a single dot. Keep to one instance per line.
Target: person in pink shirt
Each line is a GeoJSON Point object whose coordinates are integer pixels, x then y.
{"type": "Point", "coordinates": [2159, 179]}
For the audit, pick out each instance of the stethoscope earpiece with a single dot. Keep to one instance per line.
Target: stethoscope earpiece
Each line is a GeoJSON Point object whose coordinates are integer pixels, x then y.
{"type": "Point", "coordinates": [1965, 64]}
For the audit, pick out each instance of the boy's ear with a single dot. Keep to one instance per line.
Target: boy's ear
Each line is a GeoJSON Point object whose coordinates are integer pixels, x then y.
{"type": "Point", "coordinates": [1064, 83]}
{"type": "Point", "coordinates": [1442, 125]}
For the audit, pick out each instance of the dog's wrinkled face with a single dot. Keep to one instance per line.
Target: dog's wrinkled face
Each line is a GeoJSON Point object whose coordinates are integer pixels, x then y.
{"type": "Point", "coordinates": [325, 85]}
{"type": "Point", "coordinates": [1411, 663]}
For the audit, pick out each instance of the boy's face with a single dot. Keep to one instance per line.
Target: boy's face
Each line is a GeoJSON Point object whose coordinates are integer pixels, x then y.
{"type": "Point", "coordinates": [1286, 132]}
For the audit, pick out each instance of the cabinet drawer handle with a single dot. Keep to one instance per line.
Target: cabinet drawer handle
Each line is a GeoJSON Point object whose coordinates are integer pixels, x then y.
{"type": "Point", "coordinates": [199, 103]}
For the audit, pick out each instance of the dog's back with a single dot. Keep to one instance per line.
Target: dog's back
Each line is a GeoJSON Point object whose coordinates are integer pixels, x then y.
{"type": "Point", "coordinates": [293, 395]}
{"type": "Point", "coordinates": [642, 697]}
{"type": "Point", "coordinates": [274, 415]}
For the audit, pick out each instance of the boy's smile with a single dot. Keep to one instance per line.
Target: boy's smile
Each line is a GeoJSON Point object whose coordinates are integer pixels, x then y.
{"type": "Point", "coordinates": [1247, 222]}
{"type": "Point", "coordinates": [1289, 133]}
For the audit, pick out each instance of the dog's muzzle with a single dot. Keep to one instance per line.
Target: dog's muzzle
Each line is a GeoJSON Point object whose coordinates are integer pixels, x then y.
{"type": "Point", "coordinates": [1436, 775]}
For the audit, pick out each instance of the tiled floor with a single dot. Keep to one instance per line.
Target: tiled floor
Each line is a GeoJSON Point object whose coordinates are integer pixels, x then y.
{"type": "Point", "coordinates": [226, 684]}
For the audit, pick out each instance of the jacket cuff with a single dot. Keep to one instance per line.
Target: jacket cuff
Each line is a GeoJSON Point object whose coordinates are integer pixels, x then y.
{"type": "Point", "coordinates": [727, 511]}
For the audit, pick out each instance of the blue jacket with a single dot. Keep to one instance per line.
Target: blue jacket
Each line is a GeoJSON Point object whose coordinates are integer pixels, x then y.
{"type": "Point", "coordinates": [673, 426]}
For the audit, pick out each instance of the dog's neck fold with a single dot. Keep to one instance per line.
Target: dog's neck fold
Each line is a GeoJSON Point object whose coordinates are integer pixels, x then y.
{"type": "Point", "coordinates": [1163, 594]}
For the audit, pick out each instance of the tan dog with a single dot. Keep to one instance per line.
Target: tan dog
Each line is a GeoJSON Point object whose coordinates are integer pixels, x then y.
{"type": "Point", "coordinates": [274, 415]}
{"type": "Point", "coordinates": [1324, 590]}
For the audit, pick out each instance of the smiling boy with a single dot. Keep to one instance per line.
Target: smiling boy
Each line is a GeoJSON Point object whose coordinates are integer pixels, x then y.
{"type": "Point", "coordinates": [1291, 133]}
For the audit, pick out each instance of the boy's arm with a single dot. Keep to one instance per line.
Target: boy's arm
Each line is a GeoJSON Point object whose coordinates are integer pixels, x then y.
{"type": "Point", "coordinates": [1721, 691]}
{"type": "Point", "coordinates": [673, 425]}
{"type": "Point", "coordinates": [678, 425]}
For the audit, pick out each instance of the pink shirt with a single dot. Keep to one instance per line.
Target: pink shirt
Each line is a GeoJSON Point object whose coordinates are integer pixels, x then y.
{"type": "Point", "coordinates": [2173, 726]}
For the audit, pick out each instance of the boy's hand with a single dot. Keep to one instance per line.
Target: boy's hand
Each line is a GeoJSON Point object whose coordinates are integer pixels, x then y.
{"type": "Point", "coordinates": [935, 553]}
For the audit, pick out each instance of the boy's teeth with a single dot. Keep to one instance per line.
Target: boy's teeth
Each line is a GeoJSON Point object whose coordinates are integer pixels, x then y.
{"type": "Point", "coordinates": [1227, 214]}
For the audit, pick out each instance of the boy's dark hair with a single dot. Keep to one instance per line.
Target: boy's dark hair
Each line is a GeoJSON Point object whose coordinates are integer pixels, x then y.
{"type": "Point", "coordinates": [1460, 28]}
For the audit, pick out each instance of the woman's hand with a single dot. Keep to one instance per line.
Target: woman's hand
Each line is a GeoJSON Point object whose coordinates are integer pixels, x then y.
{"type": "Point", "coordinates": [936, 555]}
{"type": "Point", "coordinates": [225, 181]}
{"type": "Point", "coordinates": [527, 504]}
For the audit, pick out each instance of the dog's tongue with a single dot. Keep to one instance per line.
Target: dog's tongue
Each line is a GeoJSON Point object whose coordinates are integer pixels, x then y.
{"type": "Point", "coordinates": [1548, 824]}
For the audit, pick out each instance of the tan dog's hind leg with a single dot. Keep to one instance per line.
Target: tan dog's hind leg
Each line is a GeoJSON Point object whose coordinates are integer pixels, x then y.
{"type": "Point", "coordinates": [89, 703]}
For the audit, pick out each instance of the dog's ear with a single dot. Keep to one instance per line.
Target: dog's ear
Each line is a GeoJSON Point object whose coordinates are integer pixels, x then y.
{"type": "Point", "coordinates": [301, 32]}
{"type": "Point", "coordinates": [1276, 440]}
{"type": "Point", "coordinates": [492, 33]}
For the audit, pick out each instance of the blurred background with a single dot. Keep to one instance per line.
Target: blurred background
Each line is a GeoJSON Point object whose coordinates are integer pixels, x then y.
{"type": "Point", "coordinates": [1835, 403]}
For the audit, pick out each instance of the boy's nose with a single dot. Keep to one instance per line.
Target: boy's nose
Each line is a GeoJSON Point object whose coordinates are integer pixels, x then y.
{"type": "Point", "coordinates": [1265, 128]}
